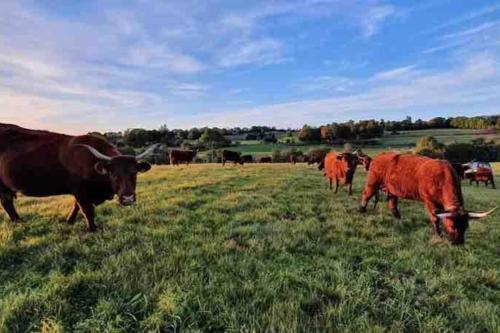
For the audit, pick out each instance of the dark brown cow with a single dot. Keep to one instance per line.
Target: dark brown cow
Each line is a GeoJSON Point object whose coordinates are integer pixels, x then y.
{"type": "Point", "coordinates": [266, 159]}
{"type": "Point", "coordinates": [41, 163]}
{"type": "Point", "coordinates": [246, 158]}
{"type": "Point", "coordinates": [182, 156]}
{"type": "Point", "coordinates": [420, 178]}
{"type": "Point", "coordinates": [317, 156]}
{"type": "Point", "coordinates": [233, 156]}
{"type": "Point", "coordinates": [341, 168]}
{"type": "Point", "coordinates": [292, 159]}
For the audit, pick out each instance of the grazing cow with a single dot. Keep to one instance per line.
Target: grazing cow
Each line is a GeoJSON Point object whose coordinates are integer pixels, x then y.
{"type": "Point", "coordinates": [182, 156]}
{"type": "Point", "coordinates": [292, 159]}
{"type": "Point", "coordinates": [266, 159]}
{"type": "Point", "coordinates": [246, 159]}
{"type": "Point", "coordinates": [233, 156]}
{"type": "Point", "coordinates": [341, 168]}
{"type": "Point", "coordinates": [424, 179]}
{"type": "Point", "coordinates": [484, 175]}
{"type": "Point", "coordinates": [41, 163]}
{"type": "Point", "coordinates": [317, 156]}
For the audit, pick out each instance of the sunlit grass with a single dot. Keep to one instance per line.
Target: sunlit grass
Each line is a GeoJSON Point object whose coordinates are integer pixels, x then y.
{"type": "Point", "coordinates": [246, 248]}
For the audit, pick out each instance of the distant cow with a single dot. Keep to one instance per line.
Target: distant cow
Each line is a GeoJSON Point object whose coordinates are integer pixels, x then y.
{"type": "Point", "coordinates": [292, 159]}
{"type": "Point", "coordinates": [182, 156]}
{"type": "Point", "coordinates": [303, 158]}
{"type": "Point", "coordinates": [340, 167]}
{"type": "Point", "coordinates": [246, 158]}
{"type": "Point", "coordinates": [484, 175]}
{"type": "Point", "coordinates": [41, 163]}
{"type": "Point", "coordinates": [317, 156]}
{"type": "Point", "coordinates": [232, 156]}
{"type": "Point", "coordinates": [424, 179]}
{"type": "Point", "coordinates": [266, 159]}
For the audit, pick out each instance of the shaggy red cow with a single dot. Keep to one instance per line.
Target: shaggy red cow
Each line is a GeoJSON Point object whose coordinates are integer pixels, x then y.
{"type": "Point", "coordinates": [41, 163]}
{"type": "Point", "coordinates": [182, 156]}
{"type": "Point", "coordinates": [431, 181]}
{"type": "Point", "coordinates": [341, 168]}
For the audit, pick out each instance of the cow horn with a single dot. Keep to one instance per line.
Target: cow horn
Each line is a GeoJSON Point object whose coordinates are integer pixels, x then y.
{"type": "Point", "coordinates": [96, 153]}
{"type": "Point", "coordinates": [147, 152]}
{"type": "Point", "coordinates": [473, 215]}
{"type": "Point", "coordinates": [444, 215]}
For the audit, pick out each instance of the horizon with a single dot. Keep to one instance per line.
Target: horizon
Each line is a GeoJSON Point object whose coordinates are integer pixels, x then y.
{"type": "Point", "coordinates": [78, 67]}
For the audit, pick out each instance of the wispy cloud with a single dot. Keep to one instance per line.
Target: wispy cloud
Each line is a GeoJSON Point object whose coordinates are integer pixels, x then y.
{"type": "Point", "coordinates": [374, 17]}
{"type": "Point", "coordinates": [467, 17]}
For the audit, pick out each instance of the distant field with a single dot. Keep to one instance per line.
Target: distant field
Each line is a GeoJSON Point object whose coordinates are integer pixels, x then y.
{"type": "Point", "coordinates": [248, 248]}
{"type": "Point", "coordinates": [404, 141]}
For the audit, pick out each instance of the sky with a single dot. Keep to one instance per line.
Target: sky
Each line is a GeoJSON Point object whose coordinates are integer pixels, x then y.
{"type": "Point", "coordinates": [80, 66]}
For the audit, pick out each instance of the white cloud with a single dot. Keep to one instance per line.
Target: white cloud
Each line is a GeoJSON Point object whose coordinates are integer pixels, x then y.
{"type": "Point", "coordinates": [261, 51]}
{"type": "Point", "coordinates": [375, 16]}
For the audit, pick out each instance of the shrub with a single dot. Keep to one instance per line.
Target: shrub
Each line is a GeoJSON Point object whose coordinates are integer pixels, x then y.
{"type": "Point", "coordinates": [429, 146]}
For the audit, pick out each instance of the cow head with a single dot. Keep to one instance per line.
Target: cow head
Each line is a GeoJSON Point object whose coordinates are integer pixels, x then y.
{"type": "Point", "coordinates": [121, 171]}
{"type": "Point", "coordinates": [363, 159]}
{"type": "Point", "coordinates": [350, 162]}
{"type": "Point", "coordinates": [456, 223]}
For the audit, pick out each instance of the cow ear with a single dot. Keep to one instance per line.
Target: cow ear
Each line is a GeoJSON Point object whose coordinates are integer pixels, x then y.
{"type": "Point", "coordinates": [143, 167]}
{"type": "Point", "coordinates": [101, 168]}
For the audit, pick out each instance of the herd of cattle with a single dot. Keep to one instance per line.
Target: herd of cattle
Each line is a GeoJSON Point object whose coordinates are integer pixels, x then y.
{"type": "Point", "coordinates": [92, 170]}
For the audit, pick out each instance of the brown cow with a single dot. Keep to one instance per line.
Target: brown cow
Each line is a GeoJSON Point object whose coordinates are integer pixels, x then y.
{"type": "Point", "coordinates": [420, 178]}
{"type": "Point", "coordinates": [341, 168]}
{"type": "Point", "coordinates": [246, 158]}
{"type": "Point", "coordinates": [233, 156]}
{"type": "Point", "coordinates": [266, 159]}
{"type": "Point", "coordinates": [41, 163]}
{"type": "Point", "coordinates": [182, 156]}
{"type": "Point", "coordinates": [483, 175]}
{"type": "Point", "coordinates": [292, 159]}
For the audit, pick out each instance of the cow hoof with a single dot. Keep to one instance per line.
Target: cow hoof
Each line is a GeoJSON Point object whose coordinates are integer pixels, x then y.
{"type": "Point", "coordinates": [362, 209]}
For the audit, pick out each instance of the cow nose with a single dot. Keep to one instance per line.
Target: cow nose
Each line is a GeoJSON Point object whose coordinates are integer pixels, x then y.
{"type": "Point", "coordinates": [127, 200]}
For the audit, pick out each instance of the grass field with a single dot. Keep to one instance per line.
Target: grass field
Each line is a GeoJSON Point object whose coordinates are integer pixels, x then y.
{"type": "Point", "coordinates": [404, 141]}
{"type": "Point", "coordinates": [249, 248]}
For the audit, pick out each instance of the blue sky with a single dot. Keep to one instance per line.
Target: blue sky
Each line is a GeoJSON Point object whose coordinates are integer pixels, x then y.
{"type": "Point", "coordinates": [77, 66]}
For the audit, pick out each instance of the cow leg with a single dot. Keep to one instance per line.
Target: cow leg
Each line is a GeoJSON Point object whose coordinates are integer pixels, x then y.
{"type": "Point", "coordinates": [492, 180]}
{"type": "Point", "coordinates": [336, 185]}
{"type": "Point", "coordinates": [7, 200]}
{"type": "Point", "coordinates": [436, 225]}
{"type": "Point", "coordinates": [88, 211]}
{"type": "Point", "coordinates": [392, 203]}
{"type": "Point", "coordinates": [73, 213]}
{"type": "Point", "coordinates": [350, 188]}
{"type": "Point", "coordinates": [368, 193]}
{"type": "Point", "coordinates": [376, 200]}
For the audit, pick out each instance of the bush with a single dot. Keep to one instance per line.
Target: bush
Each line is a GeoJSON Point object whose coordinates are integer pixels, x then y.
{"type": "Point", "coordinates": [278, 156]}
{"type": "Point", "coordinates": [465, 152]}
{"type": "Point", "coordinates": [429, 146]}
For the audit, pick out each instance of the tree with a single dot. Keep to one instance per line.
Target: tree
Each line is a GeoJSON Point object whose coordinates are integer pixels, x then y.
{"type": "Point", "coordinates": [326, 134]}
{"type": "Point", "coordinates": [194, 134]}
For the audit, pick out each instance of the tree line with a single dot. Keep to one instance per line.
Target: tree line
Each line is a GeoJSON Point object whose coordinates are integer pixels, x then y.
{"type": "Point", "coordinates": [370, 129]}
{"type": "Point", "coordinates": [213, 137]}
